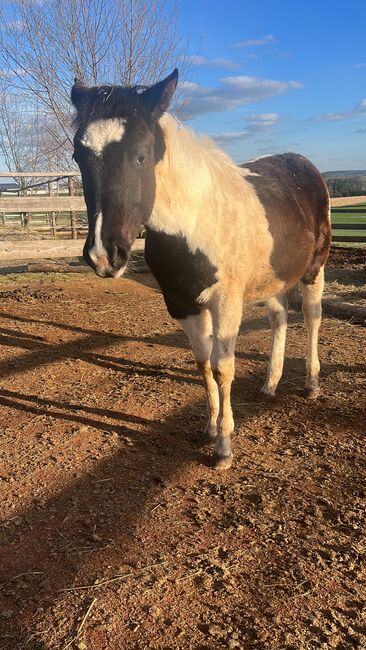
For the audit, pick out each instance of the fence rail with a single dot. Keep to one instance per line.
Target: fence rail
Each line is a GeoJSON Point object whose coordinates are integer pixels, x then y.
{"type": "Point", "coordinates": [56, 207]}
{"type": "Point", "coordinates": [38, 174]}
{"type": "Point", "coordinates": [349, 226]}
{"type": "Point", "coordinates": [42, 204]}
{"type": "Point", "coordinates": [60, 211]}
{"type": "Point", "coordinates": [349, 210]}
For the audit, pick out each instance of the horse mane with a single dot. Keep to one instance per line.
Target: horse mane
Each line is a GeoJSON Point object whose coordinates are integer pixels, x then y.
{"type": "Point", "coordinates": [214, 170]}
{"type": "Point", "coordinates": [195, 146]}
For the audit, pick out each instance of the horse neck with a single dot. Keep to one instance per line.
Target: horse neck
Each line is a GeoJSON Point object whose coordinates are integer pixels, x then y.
{"type": "Point", "coordinates": [194, 178]}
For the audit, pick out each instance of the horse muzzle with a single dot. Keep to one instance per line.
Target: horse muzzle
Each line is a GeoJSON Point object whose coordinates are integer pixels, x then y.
{"type": "Point", "coordinates": [106, 263]}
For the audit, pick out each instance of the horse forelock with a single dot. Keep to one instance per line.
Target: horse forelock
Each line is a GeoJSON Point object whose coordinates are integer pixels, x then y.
{"type": "Point", "coordinates": [108, 102]}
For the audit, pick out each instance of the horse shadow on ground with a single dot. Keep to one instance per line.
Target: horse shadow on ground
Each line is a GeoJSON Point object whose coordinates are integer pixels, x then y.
{"type": "Point", "coordinates": [52, 544]}
{"type": "Point", "coordinates": [44, 353]}
{"type": "Point", "coordinates": [46, 546]}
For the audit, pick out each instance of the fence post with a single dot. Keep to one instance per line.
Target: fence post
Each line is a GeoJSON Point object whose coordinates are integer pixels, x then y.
{"type": "Point", "coordinates": [53, 214]}
{"type": "Point", "coordinates": [3, 216]}
{"type": "Point", "coordinates": [74, 233]}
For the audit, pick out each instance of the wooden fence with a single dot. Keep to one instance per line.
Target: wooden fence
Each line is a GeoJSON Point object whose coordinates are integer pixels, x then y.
{"type": "Point", "coordinates": [62, 213]}
{"type": "Point", "coordinates": [349, 224]}
{"type": "Point", "coordinates": [56, 208]}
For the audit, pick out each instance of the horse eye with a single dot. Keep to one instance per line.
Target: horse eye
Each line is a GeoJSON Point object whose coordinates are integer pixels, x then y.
{"type": "Point", "coordinates": [141, 159]}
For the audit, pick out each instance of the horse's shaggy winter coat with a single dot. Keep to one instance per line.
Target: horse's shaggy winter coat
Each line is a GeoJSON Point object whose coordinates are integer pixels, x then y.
{"type": "Point", "coordinates": [217, 235]}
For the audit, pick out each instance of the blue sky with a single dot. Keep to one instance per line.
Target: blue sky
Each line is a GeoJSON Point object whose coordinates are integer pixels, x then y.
{"type": "Point", "coordinates": [276, 75]}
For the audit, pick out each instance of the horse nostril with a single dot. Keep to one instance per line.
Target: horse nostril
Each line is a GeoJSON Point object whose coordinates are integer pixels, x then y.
{"type": "Point", "coordinates": [119, 257]}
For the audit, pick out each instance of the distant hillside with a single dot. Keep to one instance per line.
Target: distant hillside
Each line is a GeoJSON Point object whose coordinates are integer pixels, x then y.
{"type": "Point", "coordinates": [350, 182]}
{"type": "Point", "coordinates": [345, 173]}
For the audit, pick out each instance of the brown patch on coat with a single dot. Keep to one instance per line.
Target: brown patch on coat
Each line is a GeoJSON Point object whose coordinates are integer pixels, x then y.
{"type": "Point", "coordinates": [296, 202]}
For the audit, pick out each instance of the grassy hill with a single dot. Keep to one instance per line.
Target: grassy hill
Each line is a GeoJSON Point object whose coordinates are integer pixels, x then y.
{"type": "Point", "coordinates": [345, 173]}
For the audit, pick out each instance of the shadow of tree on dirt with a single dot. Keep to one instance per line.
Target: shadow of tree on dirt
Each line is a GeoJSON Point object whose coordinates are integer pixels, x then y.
{"type": "Point", "coordinates": [97, 527]}
{"type": "Point", "coordinates": [60, 544]}
{"type": "Point", "coordinates": [44, 353]}
{"type": "Point", "coordinates": [52, 544]}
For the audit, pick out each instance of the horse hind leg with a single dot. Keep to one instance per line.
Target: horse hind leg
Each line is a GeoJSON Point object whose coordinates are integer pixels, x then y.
{"type": "Point", "coordinates": [312, 310]}
{"type": "Point", "coordinates": [277, 308]}
{"type": "Point", "coordinates": [199, 331]}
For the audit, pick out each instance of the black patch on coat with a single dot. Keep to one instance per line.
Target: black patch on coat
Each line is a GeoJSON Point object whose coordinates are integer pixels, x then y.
{"type": "Point", "coordinates": [296, 203]}
{"type": "Point", "coordinates": [181, 274]}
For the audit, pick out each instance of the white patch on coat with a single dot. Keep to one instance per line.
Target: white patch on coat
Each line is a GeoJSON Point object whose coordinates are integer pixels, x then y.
{"type": "Point", "coordinates": [200, 334]}
{"type": "Point", "coordinates": [202, 194]}
{"type": "Point", "coordinates": [99, 134]}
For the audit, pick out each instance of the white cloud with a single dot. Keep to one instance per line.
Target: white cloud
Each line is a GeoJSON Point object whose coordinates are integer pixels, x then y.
{"type": "Point", "coordinates": [7, 73]}
{"type": "Point", "coordinates": [335, 117]}
{"type": "Point", "coordinates": [359, 65]}
{"type": "Point", "coordinates": [14, 25]}
{"type": "Point", "coordinates": [233, 92]}
{"type": "Point", "coordinates": [343, 115]}
{"type": "Point", "coordinates": [213, 63]}
{"type": "Point", "coordinates": [244, 83]}
{"type": "Point", "coordinates": [228, 137]}
{"type": "Point", "coordinates": [255, 42]}
{"type": "Point", "coordinates": [257, 123]}
{"type": "Point", "coordinates": [263, 119]}
{"type": "Point", "coordinates": [189, 86]}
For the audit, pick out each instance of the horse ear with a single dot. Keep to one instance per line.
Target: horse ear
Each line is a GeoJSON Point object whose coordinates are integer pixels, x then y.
{"type": "Point", "coordinates": [157, 98]}
{"type": "Point", "coordinates": [78, 92]}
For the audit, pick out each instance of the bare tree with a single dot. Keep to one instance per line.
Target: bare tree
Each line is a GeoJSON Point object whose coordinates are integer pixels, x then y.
{"type": "Point", "coordinates": [44, 45]}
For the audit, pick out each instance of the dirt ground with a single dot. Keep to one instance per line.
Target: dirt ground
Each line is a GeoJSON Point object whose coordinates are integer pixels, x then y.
{"type": "Point", "coordinates": [117, 534]}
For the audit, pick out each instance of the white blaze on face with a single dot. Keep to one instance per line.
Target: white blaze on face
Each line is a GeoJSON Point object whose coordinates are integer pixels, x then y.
{"type": "Point", "coordinates": [102, 132]}
{"type": "Point", "coordinates": [98, 253]}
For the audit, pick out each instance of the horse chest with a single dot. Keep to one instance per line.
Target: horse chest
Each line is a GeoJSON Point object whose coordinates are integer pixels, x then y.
{"type": "Point", "coordinates": [181, 274]}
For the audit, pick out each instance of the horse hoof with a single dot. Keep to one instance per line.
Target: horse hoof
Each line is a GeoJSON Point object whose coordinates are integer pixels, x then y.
{"type": "Point", "coordinates": [267, 393]}
{"type": "Point", "coordinates": [312, 393]}
{"type": "Point", "coordinates": [223, 462]}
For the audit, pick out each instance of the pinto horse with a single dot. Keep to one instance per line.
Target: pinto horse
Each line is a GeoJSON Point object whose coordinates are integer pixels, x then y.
{"type": "Point", "coordinates": [218, 235]}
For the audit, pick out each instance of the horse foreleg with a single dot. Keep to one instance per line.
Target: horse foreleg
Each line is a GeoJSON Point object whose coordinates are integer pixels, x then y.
{"type": "Point", "coordinates": [224, 375]}
{"type": "Point", "coordinates": [226, 322]}
{"type": "Point", "coordinates": [199, 331]}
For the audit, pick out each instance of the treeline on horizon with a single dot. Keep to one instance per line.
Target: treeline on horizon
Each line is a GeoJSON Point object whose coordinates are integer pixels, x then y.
{"type": "Point", "coordinates": [346, 185]}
